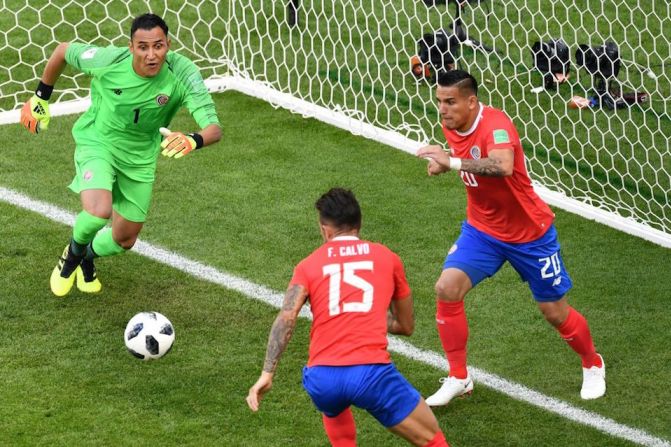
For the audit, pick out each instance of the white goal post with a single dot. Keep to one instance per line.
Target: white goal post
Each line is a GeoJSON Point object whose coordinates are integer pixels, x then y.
{"type": "Point", "coordinates": [348, 63]}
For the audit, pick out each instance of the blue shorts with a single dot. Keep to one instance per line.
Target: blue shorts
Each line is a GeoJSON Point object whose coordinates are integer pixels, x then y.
{"type": "Point", "coordinates": [379, 389]}
{"type": "Point", "coordinates": [538, 262]}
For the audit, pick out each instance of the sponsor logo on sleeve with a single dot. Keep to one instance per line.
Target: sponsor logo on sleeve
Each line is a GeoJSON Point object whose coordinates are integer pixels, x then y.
{"type": "Point", "coordinates": [501, 136]}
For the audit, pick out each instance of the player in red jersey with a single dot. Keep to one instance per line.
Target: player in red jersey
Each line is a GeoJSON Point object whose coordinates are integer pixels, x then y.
{"type": "Point", "coordinates": [358, 292]}
{"type": "Point", "coordinates": [505, 221]}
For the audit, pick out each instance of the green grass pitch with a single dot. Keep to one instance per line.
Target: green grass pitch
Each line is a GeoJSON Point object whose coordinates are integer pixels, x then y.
{"type": "Point", "coordinates": [245, 206]}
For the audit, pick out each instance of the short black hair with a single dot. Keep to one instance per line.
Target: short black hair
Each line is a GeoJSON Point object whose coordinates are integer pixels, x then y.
{"type": "Point", "coordinates": [460, 79]}
{"type": "Point", "coordinates": [339, 207]}
{"type": "Point", "coordinates": [147, 22]}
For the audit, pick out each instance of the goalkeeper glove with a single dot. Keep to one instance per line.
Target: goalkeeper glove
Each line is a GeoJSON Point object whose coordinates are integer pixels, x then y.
{"type": "Point", "coordinates": [35, 114]}
{"type": "Point", "coordinates": [177, 145]}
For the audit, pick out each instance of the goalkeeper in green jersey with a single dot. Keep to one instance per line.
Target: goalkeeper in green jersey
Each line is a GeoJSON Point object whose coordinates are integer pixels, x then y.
{"type": "Point", "coordinates": [134, 92]}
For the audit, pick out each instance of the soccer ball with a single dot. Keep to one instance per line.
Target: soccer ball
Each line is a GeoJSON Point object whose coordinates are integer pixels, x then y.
{"type": "Point", "coordinates": [149, 335]}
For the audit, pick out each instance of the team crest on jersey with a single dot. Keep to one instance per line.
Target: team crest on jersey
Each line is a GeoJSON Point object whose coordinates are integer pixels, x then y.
{"type": "Point", "coordinates": [162, 99]}
{"type": "Point", "coordinates": [475, 153]}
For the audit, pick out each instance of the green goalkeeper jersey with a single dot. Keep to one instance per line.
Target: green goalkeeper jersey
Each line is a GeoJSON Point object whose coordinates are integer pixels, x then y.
{"type": "Point", "coordinates": [127, 109]}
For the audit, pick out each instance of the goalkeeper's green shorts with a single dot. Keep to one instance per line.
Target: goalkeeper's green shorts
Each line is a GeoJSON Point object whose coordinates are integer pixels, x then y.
{"type": "Point", "coordinates": [95, 170]}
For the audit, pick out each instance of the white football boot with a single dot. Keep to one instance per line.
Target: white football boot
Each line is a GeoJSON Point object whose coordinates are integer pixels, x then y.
{"type": "Point", "coordinates": [593, 381]}
{"type": "Point", "coordinates": [451, 387]}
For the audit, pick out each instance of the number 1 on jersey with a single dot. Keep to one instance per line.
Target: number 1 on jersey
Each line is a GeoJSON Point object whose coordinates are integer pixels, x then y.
{"type": "Point", "coordinates": [346, 273]}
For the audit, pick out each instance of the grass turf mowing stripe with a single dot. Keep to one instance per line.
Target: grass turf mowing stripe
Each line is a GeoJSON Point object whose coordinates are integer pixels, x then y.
{"type": "Point", "coordinates": [266, 295]}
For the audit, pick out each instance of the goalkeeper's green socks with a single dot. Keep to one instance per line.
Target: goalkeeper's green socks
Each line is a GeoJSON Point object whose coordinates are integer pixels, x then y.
{"type": "Point", "coordinates": [88, 242]}
{"type": "Point", "coordinates": [77, 259]}
{"type": "Point", "coordinates": [85, 229]}
{"type": "Point", "coordinates": [104, 245]}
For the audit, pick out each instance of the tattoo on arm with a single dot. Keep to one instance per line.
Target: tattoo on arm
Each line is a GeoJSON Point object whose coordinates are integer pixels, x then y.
{"type": "Point", "coordinates": [283, 327]}
{"type": "Point", "coordinates": [279, 337]}
{"type": "Point", "coordinates": [486, 166]}
{"type": "Point", "coordinates": [292, 297]}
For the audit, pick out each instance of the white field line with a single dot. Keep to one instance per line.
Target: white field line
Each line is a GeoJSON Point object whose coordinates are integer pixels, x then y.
{"type": "Point", "coordinates": [274, 298]}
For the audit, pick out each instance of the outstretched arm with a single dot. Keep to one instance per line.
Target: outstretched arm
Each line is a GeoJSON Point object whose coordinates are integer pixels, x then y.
{"type": "Point", "coordinates": [279, 337]}
{"type": "Point", "coordinates": [55, 65]}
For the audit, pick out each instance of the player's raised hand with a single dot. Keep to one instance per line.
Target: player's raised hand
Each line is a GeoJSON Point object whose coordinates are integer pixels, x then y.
{"type": "Point", "coordinates": [176, 144]}
{"type": "Point", "coordinates": [261, 387]}
{"type": "Point", "coordinates": [35, 114]}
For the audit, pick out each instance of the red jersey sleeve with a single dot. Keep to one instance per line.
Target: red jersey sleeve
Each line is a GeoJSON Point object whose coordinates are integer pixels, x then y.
{"type": "Point", "coordinates": [501, 133]}
{"type": "Point", "coordinates": [300, 277]}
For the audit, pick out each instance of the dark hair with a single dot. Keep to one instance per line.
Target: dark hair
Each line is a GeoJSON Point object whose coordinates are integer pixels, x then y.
{"type": "Point", "coordinates": [147, 22]}
{"type": "Point", "coordinates": [339, 207]}
{"type": "Point", "coordinates": [460, 79]}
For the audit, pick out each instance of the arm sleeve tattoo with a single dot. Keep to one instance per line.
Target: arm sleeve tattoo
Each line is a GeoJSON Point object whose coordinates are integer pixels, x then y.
{"type": "Point", "coordinates": [486, 166]}
{"type": "Point", "coordinates": [283, 327]}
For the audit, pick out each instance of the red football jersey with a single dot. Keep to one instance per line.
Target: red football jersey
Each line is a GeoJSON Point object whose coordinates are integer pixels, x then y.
{"type": "Point", "coordinates": [350, 284]}
{"type": "Point", "coordinates": [506, 208]}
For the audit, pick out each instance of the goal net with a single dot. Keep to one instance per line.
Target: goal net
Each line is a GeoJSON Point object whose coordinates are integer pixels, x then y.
{"type": "Point", "coordinates": [348, 62]}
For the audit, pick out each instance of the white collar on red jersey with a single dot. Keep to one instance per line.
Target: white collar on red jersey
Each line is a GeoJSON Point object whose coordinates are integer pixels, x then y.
{"type": "Point", "coordinates": [475, 123]}
{"type": "Point", "coordinates": [344, 238]}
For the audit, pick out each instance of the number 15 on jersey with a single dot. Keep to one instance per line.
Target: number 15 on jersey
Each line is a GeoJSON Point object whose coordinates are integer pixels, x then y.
{"type": "Point", "coordinates": [347, 273]}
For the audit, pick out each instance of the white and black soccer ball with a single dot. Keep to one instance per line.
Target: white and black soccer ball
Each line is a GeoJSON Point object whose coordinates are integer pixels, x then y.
{"type": "Point", "coordinates": [149, 335]}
